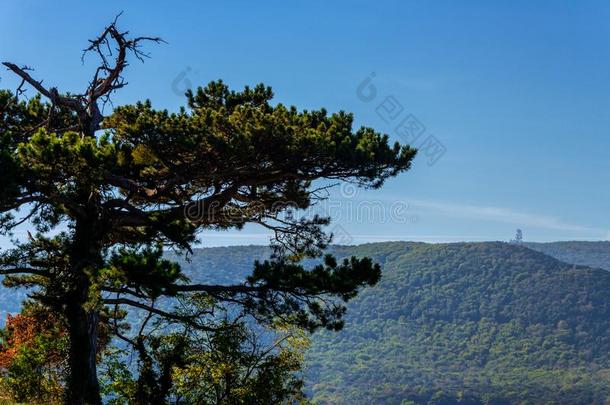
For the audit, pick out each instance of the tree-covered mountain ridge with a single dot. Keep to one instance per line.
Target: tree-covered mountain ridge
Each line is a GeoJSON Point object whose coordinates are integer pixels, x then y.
{"type": "Point", "coordinates": [482, 322]}
{"type": "Point", "coordinates": [469, 323]}
{"type": "Point", "coordinates": [463, 323]}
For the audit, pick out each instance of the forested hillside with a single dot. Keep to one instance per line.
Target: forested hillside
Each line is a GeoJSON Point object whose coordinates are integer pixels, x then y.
{"type": "Point", "coordinates": [455, 323]}
{"type": "Point", "coordinates": [483, 322]}
{"type": "Point", "coordinates": [467, 322]}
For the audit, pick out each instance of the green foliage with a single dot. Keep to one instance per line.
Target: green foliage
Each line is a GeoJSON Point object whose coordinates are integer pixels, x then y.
{"type": "Point", "coordinates": [143, 269]}
{"type": "Point", "coordinates": [29, 379]}
{"type": "Point", "coordinates": [485, 322]}
{"type": "Point", "coordinates": [32, 356]}
{"type": "Point", "coordinates": [282, 276]}
{"type": "Point", "coordinates": [230, 365]}
{"type": "Point", "coordinates": [116, 379]}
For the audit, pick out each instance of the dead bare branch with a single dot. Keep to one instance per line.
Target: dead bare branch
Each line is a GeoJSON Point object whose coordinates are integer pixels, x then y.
{"type": "Point", "coordinates": [106, 79]}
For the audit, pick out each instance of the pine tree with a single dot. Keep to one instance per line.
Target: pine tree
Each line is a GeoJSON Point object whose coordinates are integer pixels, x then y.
{"type": "Point", "coordinates": [106, 195]}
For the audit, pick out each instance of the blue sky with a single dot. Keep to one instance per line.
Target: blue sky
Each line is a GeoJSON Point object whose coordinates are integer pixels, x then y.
{"type": "Point", "coordinates": [516, 92]}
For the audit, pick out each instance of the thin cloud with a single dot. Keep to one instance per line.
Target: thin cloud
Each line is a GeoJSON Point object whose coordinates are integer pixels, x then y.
{"type": "Point", "coordinates": [501, 214]}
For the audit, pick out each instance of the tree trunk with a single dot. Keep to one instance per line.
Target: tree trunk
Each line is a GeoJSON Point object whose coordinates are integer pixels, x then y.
{"type": "Point", "coordinates": [83, 387]}
{"type": "Point", "coordinates": [82, 317]}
